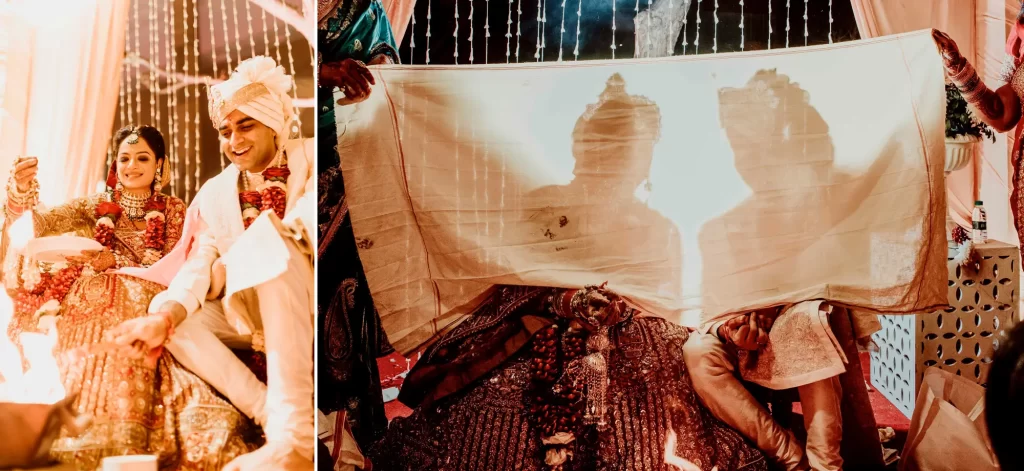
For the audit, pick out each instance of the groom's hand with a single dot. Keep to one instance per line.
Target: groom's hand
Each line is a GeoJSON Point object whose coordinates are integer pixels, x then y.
{"type": "Point", "coordinates": [144, 337]}
{"type": "Point", "coordinates": [744, 332]}
{"type": "Point", "coordinates": [175, 309]}
{"type": "Point", "coordinates": [218, 278]}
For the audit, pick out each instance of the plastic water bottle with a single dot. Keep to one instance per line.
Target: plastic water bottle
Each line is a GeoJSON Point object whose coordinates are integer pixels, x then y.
{"type": "Point", "coordinates": [980, 233]}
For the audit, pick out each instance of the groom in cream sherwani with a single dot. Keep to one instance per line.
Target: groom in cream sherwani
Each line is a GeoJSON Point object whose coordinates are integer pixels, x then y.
{"type": "Point", "coordinates": [249, 287]}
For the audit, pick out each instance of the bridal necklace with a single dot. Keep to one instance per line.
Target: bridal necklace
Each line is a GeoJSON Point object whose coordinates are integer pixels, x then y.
{"type": "Point", "coordinates": [134, 205]}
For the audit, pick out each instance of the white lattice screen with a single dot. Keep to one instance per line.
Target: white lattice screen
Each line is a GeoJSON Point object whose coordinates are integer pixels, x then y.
{"type": "Point", "coordinates": [960, 339]}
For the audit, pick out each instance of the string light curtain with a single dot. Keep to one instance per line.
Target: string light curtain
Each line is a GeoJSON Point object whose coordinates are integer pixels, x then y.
{"type": "Point", "coordinates": [175, 49]}
{"type": "Point", "coordinates": [615, 29]}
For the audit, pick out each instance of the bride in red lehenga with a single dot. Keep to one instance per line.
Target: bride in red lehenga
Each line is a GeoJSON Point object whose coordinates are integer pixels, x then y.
{"type": "Point", "coordinates": [137, 407]}
{"type": "Point", "coordinates": [1000, 108]}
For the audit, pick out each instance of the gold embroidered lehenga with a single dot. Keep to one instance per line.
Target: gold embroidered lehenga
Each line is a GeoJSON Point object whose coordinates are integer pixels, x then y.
{"type": "Point", "coordinates": [169, 411]}
{"type": "Point", "coordinates": [476, 399]}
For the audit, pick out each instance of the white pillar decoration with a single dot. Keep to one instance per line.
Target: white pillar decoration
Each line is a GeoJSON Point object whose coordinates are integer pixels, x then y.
{"type": "Point", "coordinates": [769, 24]}
{"type": "Point", "coordinates": [412, 39]}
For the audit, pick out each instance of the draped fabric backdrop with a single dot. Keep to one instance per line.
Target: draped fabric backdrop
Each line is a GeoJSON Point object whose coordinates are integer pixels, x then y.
{"type": "Point", "coordinates": [979, 28]}
{"type": "Point", "coordinates": [706, 184]}
{"type": "Point", "coordinates": [956, 17]}
{"type": "Point", "coordinates": [399, 13]}
{"type": "Point", "coordinates": [63, 75]}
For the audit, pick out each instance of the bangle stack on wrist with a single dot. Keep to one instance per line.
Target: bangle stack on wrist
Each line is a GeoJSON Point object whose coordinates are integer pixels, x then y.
{"type": "Point", "coordinates": [968, 82]}
{"type": "Point", "coordinates": [18, 202]}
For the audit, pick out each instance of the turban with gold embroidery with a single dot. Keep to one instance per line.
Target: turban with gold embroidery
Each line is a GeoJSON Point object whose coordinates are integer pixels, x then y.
{"type": "Point", "coordinates": [259, 88]}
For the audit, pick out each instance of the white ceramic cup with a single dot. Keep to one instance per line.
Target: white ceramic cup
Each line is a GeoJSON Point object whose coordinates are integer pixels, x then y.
{"type": "Point", "coordinates": [130, 463]}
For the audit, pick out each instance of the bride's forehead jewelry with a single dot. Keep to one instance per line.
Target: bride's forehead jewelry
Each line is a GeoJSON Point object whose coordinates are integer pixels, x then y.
{"type": "Point", "coordinates": [133, 138]}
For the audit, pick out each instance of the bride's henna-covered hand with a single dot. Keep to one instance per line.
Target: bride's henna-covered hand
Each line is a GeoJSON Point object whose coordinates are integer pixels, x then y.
{"type": "Point", "coordinates": [951, 57]}
{"type": "Point", "coordinates": [603, 304]}
{"type": "Point", "coordinates": [25, 171]}
{"type": "Point", "coordinates": [1000, 109]}
{"type": "Point", "coordinates": [351, 76]}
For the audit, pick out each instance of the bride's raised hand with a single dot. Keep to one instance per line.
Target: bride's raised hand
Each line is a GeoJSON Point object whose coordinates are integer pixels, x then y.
{"type": "Point", "coordinates": [604, 305]}
{"type": "Point", "coordinates": [25, 171]}
{"type": "Point", "coordinates": [951, 57]}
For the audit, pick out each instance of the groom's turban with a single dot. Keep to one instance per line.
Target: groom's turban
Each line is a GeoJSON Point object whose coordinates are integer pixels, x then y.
{"type": "Point", "coordinates": [260, 89]}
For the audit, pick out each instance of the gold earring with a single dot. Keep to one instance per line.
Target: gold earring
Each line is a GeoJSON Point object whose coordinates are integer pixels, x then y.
{"type": "Point", "coordinates": [158, 179]}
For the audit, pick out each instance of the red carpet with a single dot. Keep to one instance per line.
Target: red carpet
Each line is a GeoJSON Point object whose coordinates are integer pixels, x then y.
{"type": "Point", "coordinates": [886, 414]}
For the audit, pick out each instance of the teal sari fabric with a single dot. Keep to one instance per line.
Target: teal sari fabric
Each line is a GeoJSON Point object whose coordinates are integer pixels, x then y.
{"type": "Point", "coordinates": [350, 338]}
{"type": "Point", "coordinates": [357, 29]}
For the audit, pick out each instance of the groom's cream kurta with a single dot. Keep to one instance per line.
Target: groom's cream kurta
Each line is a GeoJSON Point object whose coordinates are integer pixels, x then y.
{"type": "Point", "coordinates": [268, 288]}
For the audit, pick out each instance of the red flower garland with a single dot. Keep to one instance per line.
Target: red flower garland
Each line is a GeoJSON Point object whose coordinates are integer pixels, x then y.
{"type": "Point", "coordinates": [251, 202]}
{"type": "Point", "coordinates": [960, 235]}
{"type": "Point", "coordinates": [557, 404]}
{"type": "Point", "coordinates": [50, 287]}
{"type": "Point", "coordinates": [155, 236]}
{"type": "Point", "coordinates": [107, 213]}
{"type": "Point", "coordinates": [271, 195]}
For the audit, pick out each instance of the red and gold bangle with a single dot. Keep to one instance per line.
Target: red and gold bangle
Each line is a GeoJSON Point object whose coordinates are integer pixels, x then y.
{"type": "Point", "coordinates": [561, 305]}
{"type": "Point", "coordinates": [969, 83]}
